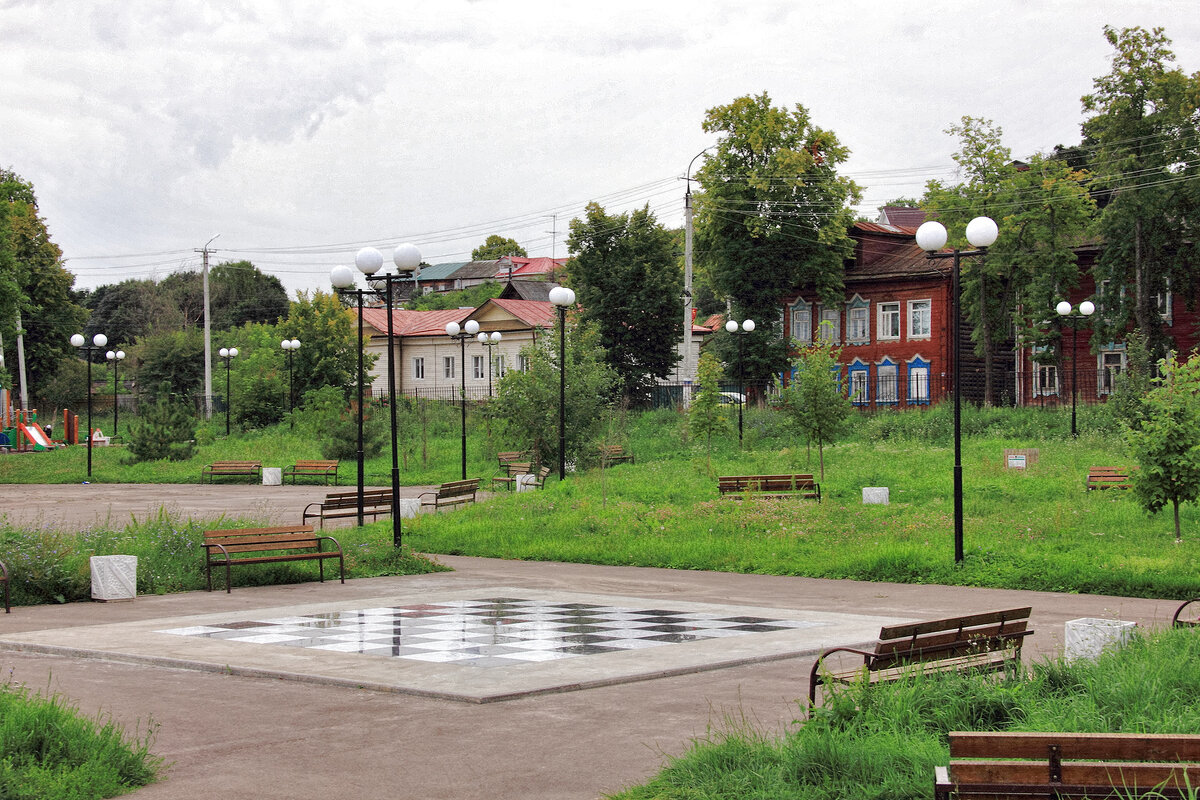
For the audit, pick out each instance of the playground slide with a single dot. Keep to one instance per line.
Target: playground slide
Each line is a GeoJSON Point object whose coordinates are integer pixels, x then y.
{"type": "Point", "coordinates": [35, 434]}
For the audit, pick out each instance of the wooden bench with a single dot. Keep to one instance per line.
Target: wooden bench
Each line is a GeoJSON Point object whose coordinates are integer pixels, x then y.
{"type": "Point", "coordinates": [225, 548]}
{"type": "Point", "coordinates": [1069, 765]}
{"type": "Point", "coordinates": [1108, 478]}
{"type": "Point", "coordinates": [740, 486]}
{"type": "Point", "coordinates": [4, 580]}
{"type": "Point", "coordinates": [615, 454]}
{"type": "Point", "coordinates": [452, 493]}
{"type": "Point", "coordinates": [339, 505]}
{"type": "Point", "coordinates": [512, 470]}
{"type": "Point", "coordinates": [231, 468]}
{"type": "Point", "coordinates": [314, 468]}
{"type": "Point", "coordinates": [1178, 622]}
{"type": "Point", "coordinates": [512, 455]}
{"type": "Point", "coordinates": [987, 642]}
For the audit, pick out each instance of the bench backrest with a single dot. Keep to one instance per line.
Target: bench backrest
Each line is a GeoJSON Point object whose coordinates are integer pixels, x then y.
{"type": "Point", "coordinates": [458, 488]}
{"type": "Point", "coordinates": [244, 540]}
{"type": "Point", "coordinates": [766, 483]}
{"type": "Point", "coordinates": [916, 642]}
{"type": "Point", "coordinates": [1076, 760]}
{"type": "Point", "coordinates": [315, 464]}
{"type": "Point", "coordinates": [519, 468]}
{"type": "Point", "coordinates": [221, 465]}
{"type": "Point", "coordinates": [1108, 471]}
{"type": "Point", "coordinates": [371, 497]}
{"type": "Point", "coordinates": [513, 455]}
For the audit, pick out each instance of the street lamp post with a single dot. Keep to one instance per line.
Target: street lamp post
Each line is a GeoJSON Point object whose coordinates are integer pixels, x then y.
{"type": "Point", "coordinates": [290, 346]}
{"type": "Point", "coordinates": [467, 331]}
{"type": "Point", "coordinates": [98, 341]}
{"type": "Point", "coordinates": [115, 357]}
{"type": "Point", "coordinates": [407, 259]}
{"type": "Point", "coordinates": [562, 297]}
{"type": "Point", "coordinates": [931, 237]}
{"type": "Point", "coordinates": [228, 354]}
{"type": "Point", "coordinates": [746, 327]}
{"type": "Point", "coordinates": [490, 342]}
{"type": "Point", "coordinates": [1064, 309]}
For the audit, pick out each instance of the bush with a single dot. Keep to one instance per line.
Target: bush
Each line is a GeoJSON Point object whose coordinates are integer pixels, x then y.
{"type": "Point", "coordinates": [166, 430]}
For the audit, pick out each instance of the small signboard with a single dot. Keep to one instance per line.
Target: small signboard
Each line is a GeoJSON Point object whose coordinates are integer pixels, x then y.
{"type": "Point", "coordinates": [1020, 459]}
{"type": "Point", "coordinates": [1016, 461]}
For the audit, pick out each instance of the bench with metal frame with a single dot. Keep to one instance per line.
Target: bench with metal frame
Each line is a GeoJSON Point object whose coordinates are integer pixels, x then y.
{"type": "Point", "coordinates": [1011, 764]}
{"type": "Point", "coordinates": [615, 454]}
{"type": "Point", "coordinates": [340, 505]}
{"type": "Point", "coordinates": [451, 493]}
{"type": "Point", "coordinates": [1178, 621]}
{"type": "Point", "coordinates": [240, 546]}
{"type": "Point", "coordinates": [512, 470]}
{"type": "Point", "coordinates": [312, 468]}
{"type": "Point", "coordinates": [1108, 478]}
{"type": "Point", "coordinates": [754, 486]}
{"type": "Point", "coordinates": [231, 468]}
{"type": "Point", "coordinates": [986, 642]}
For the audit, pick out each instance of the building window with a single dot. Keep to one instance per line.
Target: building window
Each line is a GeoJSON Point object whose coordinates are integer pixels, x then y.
{"type": "Point", "coordinates": [889, 321]}
{"type": "Point", "coordinates": [1045, 376]}
{"type": "Point", "coordinates": [860, 393]}
{"type": "Point", "coordinates": [1162, 301]}
{"type": "Point", "coordinates": [918, 319]}
{"type": "Point", "coordinates": [828, 332]}
{"type": "Point", "coordinates": [501, 369]}
{"type": "Point", "coordinates": [858, 324]}
{"type": "Point", "coordinates": [523, 363]}
{"type": "Point", "coordinates": [419, 369]}
{"type": "Point", "coordinates": [802, 322]}
{"type": "Point", "coordinates": [447, 366]}
{"type": "Point", "coordinates": [886, 379]}
{"type": "Point", "coordinates": [918, 381]}
{"type": "Point", "coordinates": [1112, 364]}
{"type": "Point", "coordinates": [478, 367]}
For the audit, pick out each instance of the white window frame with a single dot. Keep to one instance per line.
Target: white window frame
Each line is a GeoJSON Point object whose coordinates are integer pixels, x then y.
{"type": "Point", "coordinates": [501, 366]}
{"type": "Point", "coordinates": [915, 329]}
{"type": "Point", "coordinates": [478, 367]}
{"type": "Point", "coordinates": [887, 392]}
{"type": "Point", "coordinates": [1045, 380]}
{"type": "Point", "coordinates": [523, 363]}
{"type": "Point", "coordinates": [858, 324]}
{"type": "Point", "coordinates": [801, 314]}
{"type": "Point", "coordinates": [918, 384]}
{"type": "Point", "coordinates": [448, 368]}
{"type": "Point", "coordinates": [860, 385]}
{"type": "Point", "coordinates": [418, 368]}
{"type": "Point", "coordinates": [1110, 363]}
{"type": "Point", "coordinates": [889, 310]}
{"type": "Point", "coordinates": [829, 330]}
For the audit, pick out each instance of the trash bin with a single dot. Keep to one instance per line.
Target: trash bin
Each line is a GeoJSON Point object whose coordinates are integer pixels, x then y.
{"type": "Point", "coordinates": [1090, 636]}
{"type": "Point", "coordinates": [875, 495]}
{"type": "Point", "coordinates": [272, 476]}
{"type": "Point", "coordinates": [114, 578]}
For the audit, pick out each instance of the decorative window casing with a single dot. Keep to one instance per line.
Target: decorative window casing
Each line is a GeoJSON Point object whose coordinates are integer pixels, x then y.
{"type": "Point", "coordinates": [919, 319]}
{"type": "Point", "coordinates": [888, 326]}
{"type": "Point", "coordinates": [1110, 363]}
{"type": "Point", "coordinates": [419, 369]}
{"type": "Point", "coordinates": [801, 314]}
{"type": "Point", "coordinates": [858, 321]}
{"type": "Point", "coordinates": [860, 383]}
{"type": "Point", "coordinates": [918, 381]}
{"type": "Point", "coordinates": [830, 328]}
{"type": "Point", "coordinates": [887, 378]}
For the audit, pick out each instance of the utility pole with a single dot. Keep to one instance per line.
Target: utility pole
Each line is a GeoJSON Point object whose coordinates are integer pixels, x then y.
{"type": "Point", "coordinates": [689, 369]}
{"type": "Point", "coordinates": [553, 236]}
{"type": "Point", "coordinates": [207, 335]}
{"type": "Point", "coordinates": [21, 364]}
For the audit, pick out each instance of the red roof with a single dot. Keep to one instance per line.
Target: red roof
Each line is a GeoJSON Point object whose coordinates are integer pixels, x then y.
{"type": "Point", "coordinates": [534, 313]}
{"type": "Point", "coordinates": [414, 323]}
{"type": "Point", "coordinates": [533, 266]}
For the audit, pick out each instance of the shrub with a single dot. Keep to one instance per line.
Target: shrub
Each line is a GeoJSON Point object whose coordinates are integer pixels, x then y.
{"type": "Point", "coordinates": [166, 430]}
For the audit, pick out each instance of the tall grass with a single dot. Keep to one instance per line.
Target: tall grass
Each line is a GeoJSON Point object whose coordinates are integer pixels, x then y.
{"type": "Point", "coordinates": [51, 752]}
{"type": "Point", "coordinates": [883, 741]}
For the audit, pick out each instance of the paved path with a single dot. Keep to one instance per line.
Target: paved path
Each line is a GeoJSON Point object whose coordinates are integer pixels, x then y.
{"type": "Point", "coordinates": [236, 736]}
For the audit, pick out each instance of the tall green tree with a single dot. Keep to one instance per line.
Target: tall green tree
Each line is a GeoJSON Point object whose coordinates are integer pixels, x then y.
{"type": "Point", "coordinates": [774, 214]}
{"type": "Point", "coordinates": [496, 246]}
{"type": "Point", "coordinates": [34, 283]}
{"type": "Point", "coordinates": [627, 273]}
{"type": "Point", "coordinates": [1042, 209]}
{"type": "Point", "coordinates": [814, 402]}
{"type": "Point", "coordinates": [328, 334]}
{"type": "Point", "coordinates": [1167, 443]}
{"type": "Point", "coordinates": [527, 401]}
{"type": "Point", "coordinates": [131, 309]}
{"type": "Point", "coordinates": [1143, 134]}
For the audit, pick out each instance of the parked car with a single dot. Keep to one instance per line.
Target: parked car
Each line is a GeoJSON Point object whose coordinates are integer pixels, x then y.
{"type": "Point", "coordinates": [732, 399]}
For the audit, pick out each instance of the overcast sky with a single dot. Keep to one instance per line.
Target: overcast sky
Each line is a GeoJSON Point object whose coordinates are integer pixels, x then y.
{"type": "Point", "coordinates": [301, 131]}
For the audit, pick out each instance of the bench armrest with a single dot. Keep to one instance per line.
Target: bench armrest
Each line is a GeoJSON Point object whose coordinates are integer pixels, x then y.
{"type": "Point", "coordinates": [813, 676]}
{"type": "Point", "coordinates": [1179, 612]}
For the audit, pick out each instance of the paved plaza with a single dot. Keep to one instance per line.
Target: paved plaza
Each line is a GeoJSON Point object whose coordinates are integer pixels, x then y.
{"type": "Point", "coordinates": [501, 679]}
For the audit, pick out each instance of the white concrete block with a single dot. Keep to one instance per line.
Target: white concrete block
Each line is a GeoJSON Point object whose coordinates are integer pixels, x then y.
{"type": "Point", "coordinates": [272, 476]}
{"type": "Point", "coordinates": [408, 507]}
{"type": "Point", "coordinates": [875, 495]}
{"type": "Point", "coordinates": [114, 577]}
{"type": "Point", "coordinates": [1089, 636]}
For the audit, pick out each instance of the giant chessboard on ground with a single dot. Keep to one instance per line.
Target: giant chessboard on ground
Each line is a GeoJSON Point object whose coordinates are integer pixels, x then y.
{"type": "Point", "coordinates": [469, 644]}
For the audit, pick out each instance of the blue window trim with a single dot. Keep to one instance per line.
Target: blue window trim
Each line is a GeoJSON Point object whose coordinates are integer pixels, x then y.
{"type": "Point", "coordinates": [886, 361]}
{"type": "Point", "coordinates": [858, 366]}
{"type": "Point", "coordinates": [917, 361]}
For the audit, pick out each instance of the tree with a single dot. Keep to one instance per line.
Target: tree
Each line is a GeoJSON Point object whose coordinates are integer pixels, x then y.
{"type": "Point", "coordinates": [627, 273]}
{"type": "Point", "coordinates": [496, 246]}
{"type": "Point", "coordinates": [173, 358]}
{"type": "Point", "coordinates": [1042, 210]}
{"type": "Point", "coordinates": [1167, 444]}
{"type": "Point", "coordinates": [774, 215]}
{"type": "Point", "coordinates": [813, 402]}
{"type": "Point", "coordinates": [166, 430]}
{"type": "Point", "coordinates": [705, 416]}
{"type": "Point", "coordinates": [527, 401]}
{"type": "Point", "coordinates": [1143, 134]}
{"type": "Point", "coordinates": [131, 309]}
{"type": "Point", "coordinates": [472, 296]}
{"type": "Point", "coordinates": [328, 334]}
{"type": "Point", "coordinates": [242, 294]}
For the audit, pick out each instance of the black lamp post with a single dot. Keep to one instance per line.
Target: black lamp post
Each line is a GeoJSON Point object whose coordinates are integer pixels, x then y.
{"type": "Point", "coordinates": [98, 341]}
{"type": "Point", "coordinates": [732, 327]}
{"type": "Point", "coordinates": [1064, 309]}
{"type": "Point", "coordinates": [228, 354]}
{"type": "Point", "coordinates": [407, 259]}
{"type": "Point", "coordinates": [562, 297]}
{"type": "Point", "coordinates": [290, 346]}
{"type": "Point", "coordinates": [931, 237]}
{"type": "Point", "coordinates": [490, 342]}
{"type": "Point", "coordinates": [115, 357]}
{"type": "Point", "coordinates": [467, 331]}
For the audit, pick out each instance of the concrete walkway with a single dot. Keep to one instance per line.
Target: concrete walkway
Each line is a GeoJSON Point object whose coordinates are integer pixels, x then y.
{"type": "Point", "coordinates": [239, 736]}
